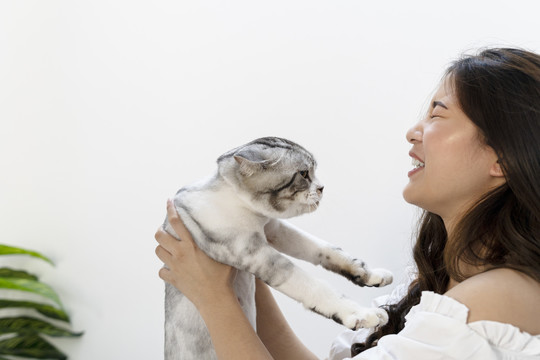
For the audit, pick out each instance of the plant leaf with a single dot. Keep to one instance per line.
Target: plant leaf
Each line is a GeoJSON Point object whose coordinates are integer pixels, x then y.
{"type": "Point", "coordinates": [31, 346]}
{"type": "Point", "coordinates": [24, 325]}
{"type": "Point", "coordinates": [18, 274]}
{"type": "Point", "coordinates": [11, 250]}
{"type": "Point", "coordinates": [43, 309]}
{"type": "Point", "coordinates": [32, 286]}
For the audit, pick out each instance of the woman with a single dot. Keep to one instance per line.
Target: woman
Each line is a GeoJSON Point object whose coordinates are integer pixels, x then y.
{"type": "Point", "coordinates": [477, 291]}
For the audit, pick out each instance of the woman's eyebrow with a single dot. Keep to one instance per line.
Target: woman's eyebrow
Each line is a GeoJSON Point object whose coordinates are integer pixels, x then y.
{"type": "Point", "coordinates": [439, 103]}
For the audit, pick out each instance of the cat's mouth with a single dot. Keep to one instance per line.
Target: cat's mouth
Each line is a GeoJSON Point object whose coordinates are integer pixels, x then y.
{"type": "Point", "coordinates": [313, 205]}
{"type": "Point", "coordinates": [312, 201]}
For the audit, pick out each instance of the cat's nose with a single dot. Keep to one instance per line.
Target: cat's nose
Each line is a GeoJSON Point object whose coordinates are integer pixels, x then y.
{"type": "Point", "coordinates": [320, 190]}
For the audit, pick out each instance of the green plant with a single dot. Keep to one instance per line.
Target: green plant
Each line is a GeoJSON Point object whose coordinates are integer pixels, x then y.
{"type": "Point", "coordinates": [22, 336]}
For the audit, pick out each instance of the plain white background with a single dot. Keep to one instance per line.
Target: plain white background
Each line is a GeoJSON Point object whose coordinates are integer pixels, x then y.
{"type": "Point", "coordinates": [108, 107]}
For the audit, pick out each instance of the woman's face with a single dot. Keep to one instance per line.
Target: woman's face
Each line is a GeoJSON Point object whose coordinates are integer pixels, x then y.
{"type": "Point", "coordinates": [453, 167]}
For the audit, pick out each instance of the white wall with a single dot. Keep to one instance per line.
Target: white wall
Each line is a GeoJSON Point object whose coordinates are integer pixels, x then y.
{"type": "Point", "coordinates": [108, 107]}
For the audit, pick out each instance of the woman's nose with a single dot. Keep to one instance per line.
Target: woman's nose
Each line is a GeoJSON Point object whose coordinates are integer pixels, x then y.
{"type": "Point", "coordinates": [414, 134]}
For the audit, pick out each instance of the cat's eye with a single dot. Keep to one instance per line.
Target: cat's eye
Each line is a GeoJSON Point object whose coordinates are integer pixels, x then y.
{"type": "Point", "coordinates": [304, 174]}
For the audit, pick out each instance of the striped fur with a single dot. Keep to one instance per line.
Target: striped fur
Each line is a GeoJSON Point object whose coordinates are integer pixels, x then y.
{"type": "Point", "coordinates": [233, 216]}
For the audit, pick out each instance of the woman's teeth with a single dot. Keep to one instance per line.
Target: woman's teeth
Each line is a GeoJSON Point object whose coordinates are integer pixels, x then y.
{"type": "Point", "coordinates": [417, 163]}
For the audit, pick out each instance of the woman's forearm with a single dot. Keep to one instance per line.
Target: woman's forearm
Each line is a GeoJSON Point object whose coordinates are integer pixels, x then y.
{"type": "Point", "coordinates": [232, 335]}
{"type": "Point", "coordinates": [274, 330]}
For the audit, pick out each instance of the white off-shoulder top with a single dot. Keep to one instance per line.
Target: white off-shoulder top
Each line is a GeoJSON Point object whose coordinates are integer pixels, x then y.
{"type": "Point", "coordinates": [437, 329]}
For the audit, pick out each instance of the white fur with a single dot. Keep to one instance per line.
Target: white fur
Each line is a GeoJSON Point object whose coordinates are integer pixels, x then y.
{"type": "Point", "coordinates": [237, 226]}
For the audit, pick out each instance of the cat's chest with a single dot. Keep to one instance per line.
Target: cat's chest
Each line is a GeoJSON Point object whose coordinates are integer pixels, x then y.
{"type": "Point", "coordinates": [221, 210]}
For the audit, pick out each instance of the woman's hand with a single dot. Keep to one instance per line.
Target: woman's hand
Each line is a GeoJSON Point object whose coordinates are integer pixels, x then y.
{"type": "Point", "coordinates": [199, 277]}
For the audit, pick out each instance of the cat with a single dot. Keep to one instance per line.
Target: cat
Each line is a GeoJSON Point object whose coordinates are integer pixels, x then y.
{"type": "Point", "coordinates": [235, 217]}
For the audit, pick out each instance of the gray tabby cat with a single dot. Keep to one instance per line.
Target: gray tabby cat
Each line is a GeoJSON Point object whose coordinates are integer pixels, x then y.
{"type": "Point", "coordinates": [233, 217]}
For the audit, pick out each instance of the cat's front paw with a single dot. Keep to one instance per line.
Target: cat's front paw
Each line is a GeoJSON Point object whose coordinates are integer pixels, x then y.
{"type": "Point", "coordinates": [364, 318]}
{"type": "Point", "coordinates": [359, 274]}
{"type": "Point", "coordinates": [379, 277]}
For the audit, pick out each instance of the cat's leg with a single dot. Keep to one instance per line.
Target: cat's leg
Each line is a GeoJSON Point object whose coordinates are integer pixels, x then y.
{"type": "Point", "coordinates": [186, 336]}
{"type": "Point", "coordinates": [253, 254]}
{"type": "Point", "coordinates": [297, 243]}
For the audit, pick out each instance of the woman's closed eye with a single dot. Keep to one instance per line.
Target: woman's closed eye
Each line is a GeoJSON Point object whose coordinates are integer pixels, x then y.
{"type": "Point", "coordinates": [437, 108]}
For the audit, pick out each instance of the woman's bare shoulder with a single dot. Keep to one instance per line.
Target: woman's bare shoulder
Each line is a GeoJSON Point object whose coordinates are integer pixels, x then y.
{"type": "Point", "coordinates": [502, 295]}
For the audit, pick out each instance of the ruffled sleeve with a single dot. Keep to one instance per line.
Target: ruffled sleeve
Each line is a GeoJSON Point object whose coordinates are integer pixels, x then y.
{"type": "Point", "coordinates": [508, 338]}
{"type": "Point", "coordinates": [437, 328]}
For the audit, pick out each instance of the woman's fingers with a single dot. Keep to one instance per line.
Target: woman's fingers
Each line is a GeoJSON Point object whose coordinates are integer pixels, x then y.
{"type": "Point", "coordinates": [165, 274]}
{"type": "Point", "coordinates": [169, 242]}
{"type": "Point", "coordinates": [176, 222]}
{"type": "Point", "coordinates": [190, 270]}
{"type": "Point", "coordinates": [163, 254]}
{"type": "Point", "coordinates": [171, 251]}
{"type": "Point", "coordinates": [166, 240]}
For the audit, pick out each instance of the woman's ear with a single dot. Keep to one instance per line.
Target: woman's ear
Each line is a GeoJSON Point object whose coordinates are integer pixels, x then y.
{"type": "Point", "coordinates": [496, 170]}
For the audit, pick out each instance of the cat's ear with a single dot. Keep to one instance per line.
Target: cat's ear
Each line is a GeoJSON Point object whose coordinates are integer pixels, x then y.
{"type": "Point", "coordinates": [249, 167]}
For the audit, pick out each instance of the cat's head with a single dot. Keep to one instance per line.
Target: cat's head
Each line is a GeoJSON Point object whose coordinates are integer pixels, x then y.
{"type": "Point", "coordinates": [275, 176]}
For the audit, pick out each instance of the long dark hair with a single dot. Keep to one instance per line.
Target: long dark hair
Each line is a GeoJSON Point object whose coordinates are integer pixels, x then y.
{"type": "Point", "coordinates": [499, 90]}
